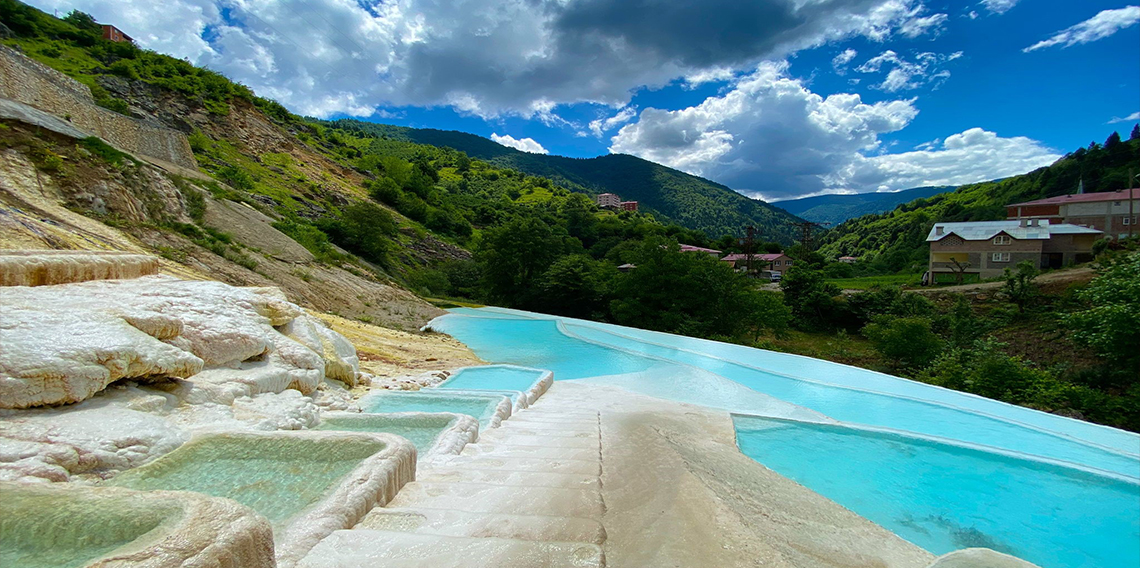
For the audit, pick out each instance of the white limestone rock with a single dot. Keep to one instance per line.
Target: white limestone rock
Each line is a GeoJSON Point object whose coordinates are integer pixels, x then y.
{"type": "Point", "coordinates": [979, 558]}
{"type": "Point", "coordinates": [65, 343]}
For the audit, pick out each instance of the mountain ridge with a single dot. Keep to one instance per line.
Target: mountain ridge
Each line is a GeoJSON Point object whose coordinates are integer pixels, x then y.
{"type": "Point", "coordinates": [691, 201]}
{"type": "Point", "coordinates": [837, 208]}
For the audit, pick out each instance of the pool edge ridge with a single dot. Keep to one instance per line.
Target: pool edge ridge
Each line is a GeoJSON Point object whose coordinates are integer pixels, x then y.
{"type": "Point", "coordinates": [375, 481]}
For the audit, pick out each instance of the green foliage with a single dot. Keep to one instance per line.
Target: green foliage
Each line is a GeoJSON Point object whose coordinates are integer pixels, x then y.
{"type": "Point", "coordinates": [103, 150]}
{"type": "Point", "coordinates": [195, 203]}
{"type": "Point", "coordinates": [365, 229]}
{"type": "Point", "coordinates": [908, 342]}
{"type": "Point", "coordinates": [313, 239]}
{"type": "Point", "coordinates": [1019, 286]}
{"type": "Point", "coordinates": [1110, 322]}
{"type": "Point", "coordinates": [766, 312]}
{"type": "Point", "coordinates": [686, 293]}
{"type": "Point", "coordinates": [985, 370]}
{"type": "Point", "coordinates": [385, 190]}
{"type": "Point", "coordinates": [514, 257]}
{"type": "Point", "coordinates": [578, 286]}
{"type": "Point", "coordinates": [236, 178]}
{"type": "Point", "coordinates": [811, 299]}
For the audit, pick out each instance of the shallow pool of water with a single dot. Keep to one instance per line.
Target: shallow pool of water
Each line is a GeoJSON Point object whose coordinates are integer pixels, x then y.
{"type": "Point", "coordinates": [277, 477]}
{"type": "Point", "coordinates": [421, 429]}
{"type": "Point", "coordinates": [480, 406]}
{"type": "Point", "coordinates": [493, 377]}
{"type": "Point", "coordinates": [943, 498]}
{"type": "Point", "coordinates": [72, 529]}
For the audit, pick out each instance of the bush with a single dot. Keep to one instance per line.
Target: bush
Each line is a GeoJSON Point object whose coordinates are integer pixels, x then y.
{"type": "Point", "coordinates": [908, 342]}
{"type": "Point", "coordinates": [313, 239]}
{"type": "Point", "coordinates": [985, 370]}
{"type": "Point", "coordinates": [1110, 324]}
{"type": "Point", "coordinates": [812, 300]}
{"type": "Point", "coordinates": [236, 178]}
{"type": "Point", "coordinates": [384, 190]}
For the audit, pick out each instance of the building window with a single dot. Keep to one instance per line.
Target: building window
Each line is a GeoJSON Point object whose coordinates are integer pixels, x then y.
{"type": "Point", "coordinates": [788, 263]}
{"type": "Point", "coordinates": [1000, 257]}
{"type": "Point", "coordinates": [1002, 240]}
{"type": "Point", "coordinates": [1129, 221]}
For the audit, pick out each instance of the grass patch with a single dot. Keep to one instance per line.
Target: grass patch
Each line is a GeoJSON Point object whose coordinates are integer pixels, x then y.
{"type": "Point", "coordinates": [867, 282]}
{"type": "Point", "coordinates": [103, 150]}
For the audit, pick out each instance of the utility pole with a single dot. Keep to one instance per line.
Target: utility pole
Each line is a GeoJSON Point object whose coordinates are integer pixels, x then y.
{"type": "Point", "coordinates": [749, 243]}
{"type": "Point", "coordinates": [806, 236]}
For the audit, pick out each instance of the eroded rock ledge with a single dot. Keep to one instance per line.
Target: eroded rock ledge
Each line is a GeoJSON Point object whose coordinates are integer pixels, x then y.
{"type": "Point", "coordinates": [63, 344]}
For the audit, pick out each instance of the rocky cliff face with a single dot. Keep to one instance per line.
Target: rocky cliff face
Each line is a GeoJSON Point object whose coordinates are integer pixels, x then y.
{"type": "Point", "coordinates": [54, 194]}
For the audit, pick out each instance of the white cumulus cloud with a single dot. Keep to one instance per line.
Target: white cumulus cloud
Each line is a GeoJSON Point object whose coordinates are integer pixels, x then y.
{"type": "Point", "coordinates": [524, 144]}
{"type": "Point", "coordinates": [770, 136]}
{"type": "Point", "coordinates": [1100, 26]}
{"type": "Point", "coordinates": [603, 125]}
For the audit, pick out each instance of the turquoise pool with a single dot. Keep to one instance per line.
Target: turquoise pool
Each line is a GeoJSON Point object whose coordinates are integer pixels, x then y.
{"type": "Point", "coordinates": [480, 406]}
{"type": "Point", "coordinates": [494, 377]}
{"type": "Point", "coordinates": [753, 381]}
{"type": "Point", "coordinates": [421, 429]}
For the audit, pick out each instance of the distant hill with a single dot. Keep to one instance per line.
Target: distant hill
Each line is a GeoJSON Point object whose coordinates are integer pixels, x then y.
{"type": "Point", "coordinates": [896, 240]}
{"type": "Point", "coordinates": [672, 195]}
{"type": "Point", "coordinates": [835, 209]}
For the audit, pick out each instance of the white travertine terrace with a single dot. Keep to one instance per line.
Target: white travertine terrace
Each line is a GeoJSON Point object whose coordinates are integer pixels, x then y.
{"type": "Point", "coordinates": [979, 558]}
{"type": "Point", "coordinates": [45, 267]}
{"type": "Point", "coordinates": [228, 341]}
{"type": "Point", "coordinates": [176, 528]}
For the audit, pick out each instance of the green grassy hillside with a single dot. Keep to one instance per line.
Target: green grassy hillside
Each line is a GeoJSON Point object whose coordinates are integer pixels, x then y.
{"type": "Point", "coordinates": [672, 195]}
{"type": "Point", "coordinates": [898, 238]}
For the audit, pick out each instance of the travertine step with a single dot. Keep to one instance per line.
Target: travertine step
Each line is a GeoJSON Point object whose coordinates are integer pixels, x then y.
{"type": "Point", "coordinates": [512, 478]}
{"type": "Point", "coordinates": [542, 408]}
{"type": "Point", "coordinates": [548, 425]}
{"type": "Point", "coordinates": [549, 465]}
{"type": "Point", "coordinates": [511, 430]}
{"type": "Point", "coordinates": [447, 522]}
{"type": "Point", "coordinates": [391, 549]}
{"type": "Point", "coordinates": [509, 450]}
{"type": "Point", "coordinates": [503, 435]}
{"type": "Point", "coordinates": [482, 498]}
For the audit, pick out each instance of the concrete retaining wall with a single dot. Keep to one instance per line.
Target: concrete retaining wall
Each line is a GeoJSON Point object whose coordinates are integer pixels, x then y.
{"type": "Point", "coordinates": [35, 84]}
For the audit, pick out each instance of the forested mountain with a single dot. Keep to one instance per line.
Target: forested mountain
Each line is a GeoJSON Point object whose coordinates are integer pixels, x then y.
{"type": "Point", "coordinates": [672, 195]}
{"type": "Point", "coordinates": [835, 209]}
{"type": "Point", "coordinates": [899, 236]}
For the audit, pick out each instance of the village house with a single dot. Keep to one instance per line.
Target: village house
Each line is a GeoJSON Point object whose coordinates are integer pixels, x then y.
{"type": "Point", "coordinates": [111, 33]}
{"type": "Point", "coordinates": [628, 205]}
{"type": "Point", "coordinates": [848, 259]}
{"type": "Point", "coordinates": [777, 262]}
{"type": "Point", "coordinates": [984, 249]}
{"type": "Point", "coordinates": [691, 248]}
{"type": "Point", "coordinates": [1113, 212]}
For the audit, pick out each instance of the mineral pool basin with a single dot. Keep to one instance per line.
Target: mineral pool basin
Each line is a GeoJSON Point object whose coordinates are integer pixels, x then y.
{"type": "Point", "coordinates": [945, 497]}
{"type": "Point", "coordinates": [494, 377]}
{"type": "Point", "coordinates": [277, 477]}
{"type": "Point", "coordinates": [753, 381]}
{"type": "Point", "coordinates": [420, 428]}
{"type": "Point", "coordinates": [71, 529]}
{"type": "Point", "coordinates": [479, 406]}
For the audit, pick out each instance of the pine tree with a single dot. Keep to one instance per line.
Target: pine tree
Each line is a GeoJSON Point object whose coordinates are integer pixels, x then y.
{"type": "Point", "coordinates": [1113, 140]}
{"type": "Point", "coordinates": [1135, 132]}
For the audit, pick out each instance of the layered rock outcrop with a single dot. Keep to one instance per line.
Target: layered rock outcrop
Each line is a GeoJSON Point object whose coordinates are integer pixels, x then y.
{"type": "Point", "coordinates": [63, 344]}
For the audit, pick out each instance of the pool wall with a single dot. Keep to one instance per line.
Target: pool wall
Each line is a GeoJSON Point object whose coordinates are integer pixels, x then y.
{"type": "Point", "coordinates": [530, 395]}
{"type": "Point", "coordinates": [189, 529]}
{"type": "Point", "coordinates": [502, 411]}
{"type": "Point", "coordinates": [461, 430]}
{"type": "Point", "coordinates": [373, 481]}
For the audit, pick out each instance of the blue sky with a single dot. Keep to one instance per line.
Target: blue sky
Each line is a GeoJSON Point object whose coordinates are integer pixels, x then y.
{"type": "Point", "coordinates": [775, 98]}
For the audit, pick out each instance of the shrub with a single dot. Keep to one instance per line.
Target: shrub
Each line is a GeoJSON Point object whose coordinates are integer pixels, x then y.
{"type": "Point", "coordinates": [313, 239]}
{"type": "Point", "coordinates": [385, 190]}
{"type": "Point", "coordinates": [908, 342]}
{"type": "Point", "coordinates": [236, 178]}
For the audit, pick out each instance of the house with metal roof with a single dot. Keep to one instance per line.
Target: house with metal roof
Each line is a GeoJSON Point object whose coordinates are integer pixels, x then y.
{"type": "Point", "coordinates": [1114, 212]}
{"type": "Point", "coordinates": [984, 249]}
{"type": "Point", "coordinates": [768, 261]}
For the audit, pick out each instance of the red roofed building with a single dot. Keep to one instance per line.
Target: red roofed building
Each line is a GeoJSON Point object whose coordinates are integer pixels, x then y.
{"type": "Point", "coordinates": [628, 205]}
{"type": "Point", "coordinates": [691, 248]}
{"type": "Point", "coordinates": [1114, 212]}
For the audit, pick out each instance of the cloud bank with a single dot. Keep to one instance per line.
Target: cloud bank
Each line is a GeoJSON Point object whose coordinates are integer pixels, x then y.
{"type": "Point", "coordinates": [770, 136]}
{"type": "Point", "coordinates": [1100, 26]}
{"type": "Point", "coordinates": [524, 144]}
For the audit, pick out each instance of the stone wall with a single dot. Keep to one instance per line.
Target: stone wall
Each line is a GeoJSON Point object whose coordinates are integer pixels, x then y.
{"type": "Point", "coordinates": [33, 83]}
